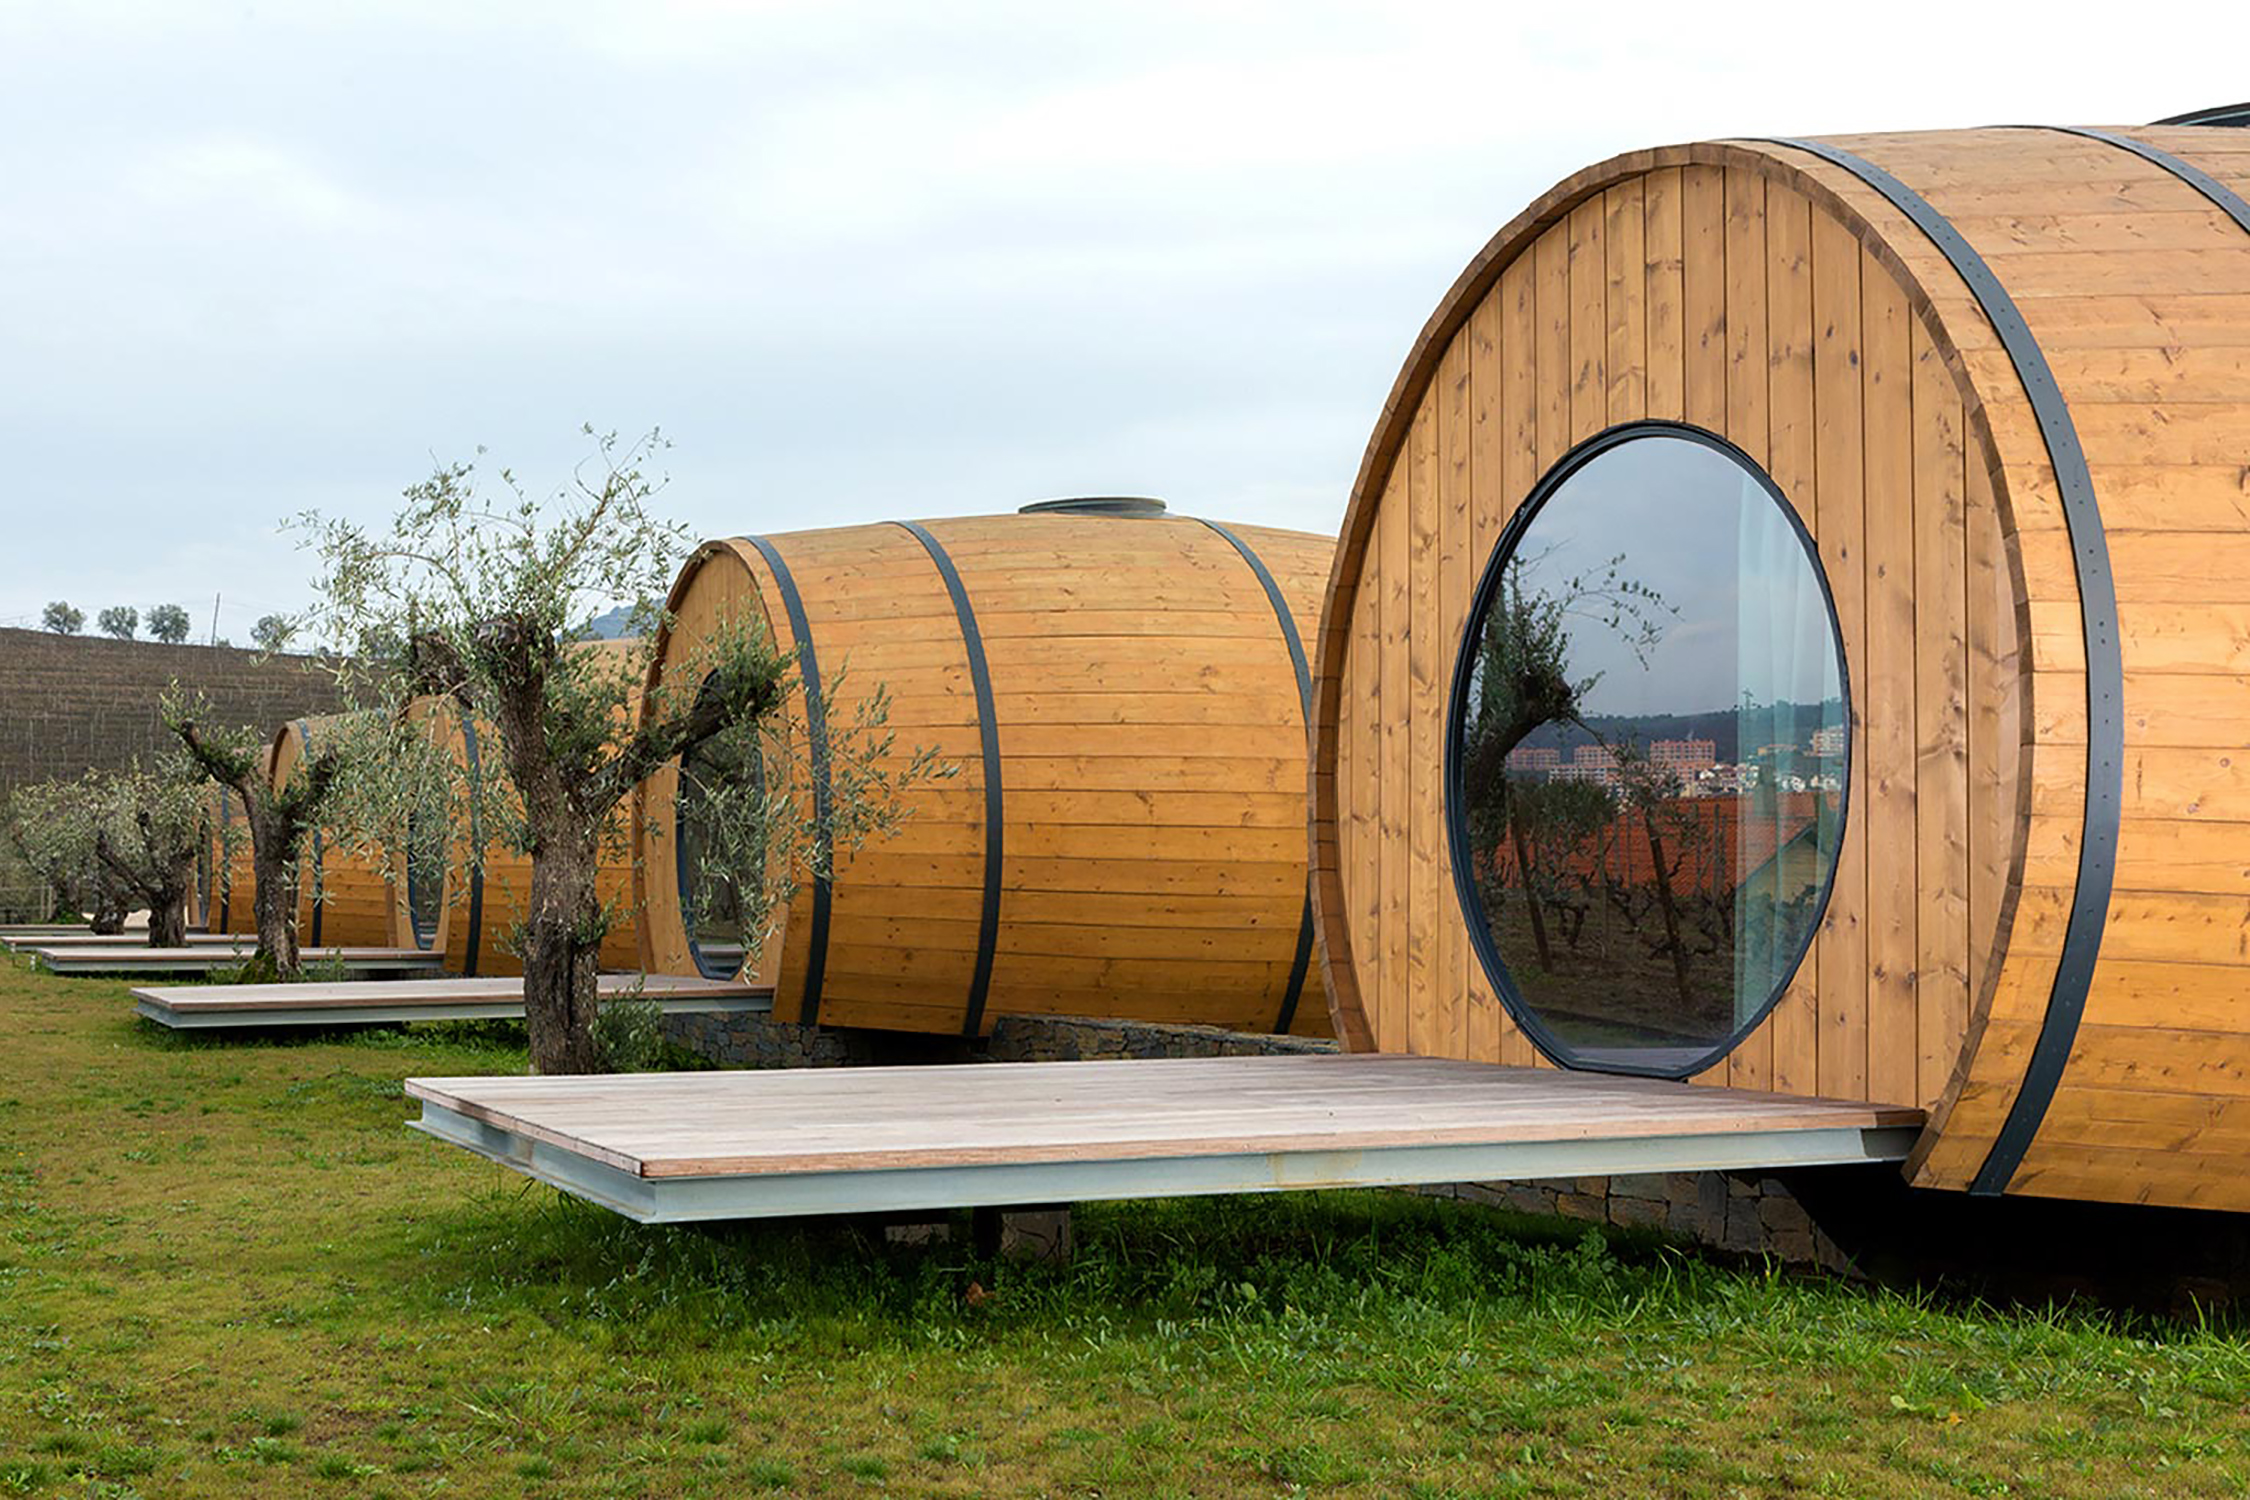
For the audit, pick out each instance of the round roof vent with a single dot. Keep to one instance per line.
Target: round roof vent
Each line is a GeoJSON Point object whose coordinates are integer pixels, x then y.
{"type": "Point", "coordinates": [1096, 505]}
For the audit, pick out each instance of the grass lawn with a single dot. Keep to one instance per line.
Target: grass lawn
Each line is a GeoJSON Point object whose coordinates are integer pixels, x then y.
{"type": "Point", "coordinates": [227, 1269]}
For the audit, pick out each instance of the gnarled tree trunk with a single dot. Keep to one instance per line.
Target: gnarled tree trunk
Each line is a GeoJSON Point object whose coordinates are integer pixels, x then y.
{"type": "Point", "coordinates": [110, 906]}
{"type": "Point", "coordinates": [559, 942]}
{"type": "Point", "coordinates": [167, 916]}
{"type": "Point", "coordinates": [275, 905]}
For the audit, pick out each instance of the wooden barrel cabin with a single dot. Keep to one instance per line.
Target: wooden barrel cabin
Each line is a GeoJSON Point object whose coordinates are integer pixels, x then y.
{"type": "Point", "coordinates": [1122, 694]}
{"type": "Point", "coordinates": [466, 908]}
{"type": "Point", "coordinates": [343, 899]}
{"type": "Point", "coordinates": [1792, 630]}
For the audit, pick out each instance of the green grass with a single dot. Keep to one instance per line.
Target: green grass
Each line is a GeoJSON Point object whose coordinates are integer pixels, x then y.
{"type": "Point", "coordinates": [227, 1269]}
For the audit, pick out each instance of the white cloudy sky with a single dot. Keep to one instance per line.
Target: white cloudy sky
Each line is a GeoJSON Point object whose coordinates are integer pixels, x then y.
{"type": "Point", "coordinates": [858, 260]}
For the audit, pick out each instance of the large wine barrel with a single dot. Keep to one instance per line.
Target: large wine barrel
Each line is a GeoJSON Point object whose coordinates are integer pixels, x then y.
{"type": "Point", "coordinates": [1121, 692]}
{"type": "Point", "coordinates": [1949, 428]}
{"type": "Point", "coordinates": [343, 899]}
{"type": "Point", "coordinates": [465, 911]}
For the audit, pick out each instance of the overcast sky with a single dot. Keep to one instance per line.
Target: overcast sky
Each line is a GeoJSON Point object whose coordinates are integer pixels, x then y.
{"type": "Point", "coordinates": [859, 261]}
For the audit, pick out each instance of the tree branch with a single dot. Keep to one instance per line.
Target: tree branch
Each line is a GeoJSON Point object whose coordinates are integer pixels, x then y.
{"type": "Point", "coordinates": [434, 665]}
{"type": "Point", "coordinates": [227, 766]}
{"type": "Point", "coordinates": [118, 867]}
{"type": "Point", "coordinates": [653, 744]}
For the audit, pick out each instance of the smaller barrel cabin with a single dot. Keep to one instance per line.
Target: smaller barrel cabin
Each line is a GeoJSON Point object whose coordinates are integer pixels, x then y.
{"type": "Point", "coordinates": [1789, 632]}
{"type": "Point", "coordinates": [344, 898]}
{"type": "Point", "coordinates": [1121, 695]}
{"type": "Point", "coordinates": [465, 906]}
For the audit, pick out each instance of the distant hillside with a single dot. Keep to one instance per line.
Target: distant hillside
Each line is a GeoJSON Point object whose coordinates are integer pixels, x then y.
{"type": "Point", "coordinates": [616, 625]}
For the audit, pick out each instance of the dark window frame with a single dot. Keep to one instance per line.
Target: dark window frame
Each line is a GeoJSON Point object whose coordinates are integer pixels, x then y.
{"type": "Point", "coordinates": [1470, 905]}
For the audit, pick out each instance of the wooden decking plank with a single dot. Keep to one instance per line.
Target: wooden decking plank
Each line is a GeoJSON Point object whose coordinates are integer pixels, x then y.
{"type": "Point", "coordinates": [661, 1126]}
{"type": "Point", "coordinates": [81, 938]}
{"type": "Point", "coordinates": [251, 1003]}
{"type": "Point", "coordinates": [130, 957]}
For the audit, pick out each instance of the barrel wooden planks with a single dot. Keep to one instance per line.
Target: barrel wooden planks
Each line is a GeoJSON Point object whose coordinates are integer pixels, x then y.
{"type": "Point", "coordinates": [470, 916]}
{"type": "Point", "coordinates": [231, 902]}
{"type": "Point", "coordinates": [343, 899]}
{"type": "Point", "coordinates": [2002, 378]}
{"type": "Point", "coordinates": [1125, 836]}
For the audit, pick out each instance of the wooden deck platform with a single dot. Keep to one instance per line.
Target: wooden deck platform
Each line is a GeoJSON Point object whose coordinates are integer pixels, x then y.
{"type": "Point", "coordinates": [671, 1147]}
{"type": "Point", "coordinates": [81, 938]}
{"type": "Point", "coordinates": [139, 958]}
{"type": "Point", "coordinates": [217, 1006]}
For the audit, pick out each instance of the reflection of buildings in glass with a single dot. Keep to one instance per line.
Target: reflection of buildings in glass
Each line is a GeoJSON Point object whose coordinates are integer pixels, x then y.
{"type": "Point", "coordinates": [1828, 741]}
{"type": "Point", "coordinates": [1724, 781]}
{"type": "Point", "coordinates": [1685, 759]}
{"type": "Point", "coordinates": [1593, 764]}
{"type": "Point", "coordinates": [1683, 762]}
{"type": "Point", "coordinates": [1534, 760]}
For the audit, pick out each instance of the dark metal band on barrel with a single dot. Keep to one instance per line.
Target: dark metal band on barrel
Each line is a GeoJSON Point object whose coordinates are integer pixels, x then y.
{"type": "Point", "coordinates": [476, 848]}
{"type": "Point", "coordinates": [816, 736]}
{"type": "Point", "coordinates": [2227, 199]}
{"type": "Point", "coordinates": [319, 852]}
{"type": "Point", "coordinates": [1302, 963]}
{"type": "Point", "coordinates": [2105, 708]}
{"type": "Point", "coordinates": [988, 734]}
{"type": "Point", "coordinates": [2236, 115]}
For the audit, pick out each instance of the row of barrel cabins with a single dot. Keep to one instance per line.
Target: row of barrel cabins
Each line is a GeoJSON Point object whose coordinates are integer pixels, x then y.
{"type": "Point", "coordinates": [1904, 480]}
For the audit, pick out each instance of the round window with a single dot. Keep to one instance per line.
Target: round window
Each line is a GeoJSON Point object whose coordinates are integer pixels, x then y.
{"type": "Point", "coordinates": [427, 828]}
{"type": "Point", "coordinates": [711, 906]}
{"type": "Point", "coordinates": [1648, 751]}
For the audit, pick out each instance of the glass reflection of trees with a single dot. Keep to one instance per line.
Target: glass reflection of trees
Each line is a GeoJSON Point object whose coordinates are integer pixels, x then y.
{"type": "Point", "coordinates": [204, 890]}
{"type": "Point", "coordinates": [731, 764]}
{"type": "Point", "coordinates": [428, 841]}
{"type": "Point", "coordinates": [1650, 755]}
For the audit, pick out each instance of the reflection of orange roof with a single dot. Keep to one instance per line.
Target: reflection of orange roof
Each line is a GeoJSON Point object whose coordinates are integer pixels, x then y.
{"type": "Point", "coordinates": [1712, 845]}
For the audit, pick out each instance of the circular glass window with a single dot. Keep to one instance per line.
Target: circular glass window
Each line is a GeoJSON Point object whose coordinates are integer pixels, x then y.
{"type": "Point", "coordinates": [710, 902]}
{"type": "Point", "coordinates": [1648, 753]}
{"type": "Point", "coordinates": [426, 838]}
{"type": "Point", "coordinates": [203, 837]}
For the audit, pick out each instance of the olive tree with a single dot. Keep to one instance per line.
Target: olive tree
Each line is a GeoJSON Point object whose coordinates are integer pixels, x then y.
{"type": "Point", "coordinates": [237, 758]}
{"type": "Point", "coordinates": [168, 623]}
{"type": "Point", "coordinates": [271, 633]}
{"type": "Point", "coordinates": [472, 595]}
{"type": "Point", "coordinates": [132, 833]}
{"type": "Point", "coordinates": [61, 618]}
{"type": "Point", "coordinates": [50, 838]}
{"type": "Point", "coordinates": [119, 620]}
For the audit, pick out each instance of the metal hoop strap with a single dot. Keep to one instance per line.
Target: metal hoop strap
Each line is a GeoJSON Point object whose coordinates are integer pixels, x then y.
{"type": "Point", "coordinates": [2105, 708]}
{"type": "Point", "coordinates": [988, 732]}
{"type": "Point", "coordinates": [1301, 964]}
{"type": "Point", "coordinates": [816, 733]}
